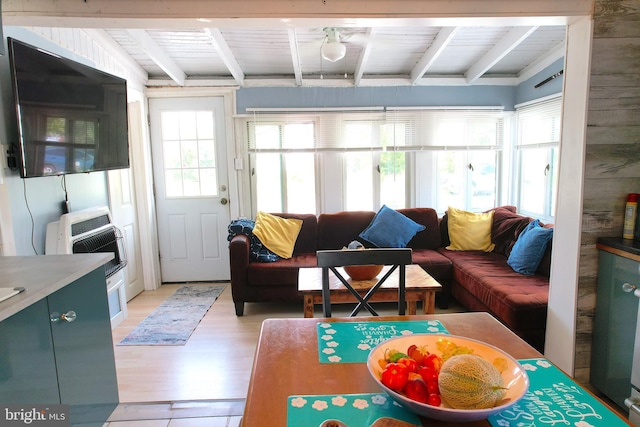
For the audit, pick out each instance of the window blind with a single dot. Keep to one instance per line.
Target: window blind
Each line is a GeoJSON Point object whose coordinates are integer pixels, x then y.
{"type": "Point", "coordinates": [539, 123]}
{"type": "Point", "coordinates": [397, 129]}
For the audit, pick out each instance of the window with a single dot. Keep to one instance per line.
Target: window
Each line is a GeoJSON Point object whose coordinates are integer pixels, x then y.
{"type": "Point", "coordinates": [537, 154]}
{"type": "Point", "coordinates": [347, 160]}
{"type": "Point", "coordinates": [374, 177]}
{"type": "Point", "coordinates": [466, 179]}
{"type": "Point", "coordinates": [283, 172]}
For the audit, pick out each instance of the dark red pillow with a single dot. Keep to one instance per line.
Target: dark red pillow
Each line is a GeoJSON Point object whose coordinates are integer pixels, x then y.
{"type": "Point", "coordinates": [506, 227]}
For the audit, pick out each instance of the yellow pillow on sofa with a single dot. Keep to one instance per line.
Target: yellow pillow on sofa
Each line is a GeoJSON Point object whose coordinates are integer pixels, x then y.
{"type": "Point", "coordinates": [469, 231]}
{"type": "Point", "coordinates": [278, 234]}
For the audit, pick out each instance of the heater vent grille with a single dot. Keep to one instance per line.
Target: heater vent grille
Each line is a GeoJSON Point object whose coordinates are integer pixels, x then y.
{"type": "Point", "coordinates": [89, 224]}
{"type": "Point", "coordinates": [108, 240]}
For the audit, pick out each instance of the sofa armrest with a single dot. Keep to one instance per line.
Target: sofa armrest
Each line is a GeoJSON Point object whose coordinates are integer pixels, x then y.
{"type": "Point", "coordinates": [239, 248]}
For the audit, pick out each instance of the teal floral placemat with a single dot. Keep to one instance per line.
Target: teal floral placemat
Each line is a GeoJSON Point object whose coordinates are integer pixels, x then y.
{"type": "Point", "coordinates": [554, 399]}
{"type": "Point", "coordinates": [352, 410]}
{"type": "Point", "coordinates": [351, 342]}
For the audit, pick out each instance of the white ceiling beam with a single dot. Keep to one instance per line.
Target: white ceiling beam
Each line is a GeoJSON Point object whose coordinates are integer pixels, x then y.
{"type": "Point", "coordinates": [543, 62]}
{"type": "Point", "coordinates": [334, 14]}
{"type": "Point", "coordinates": [158, 55]}
{"type": "Point", "coordinates": [364, 56]}
{"type": "Point", "coordinates": [509, 42]}
{"type": "Point", "coordinates": [339, 82]}
{"type": "Point", "coordinates": [442, 40]}
{"type": "Point", "coordinates": [113, 48]}
{"type": "Point", "coordinates": [295, 58]}
{"type": "Point", "coordinates": [221, 46]}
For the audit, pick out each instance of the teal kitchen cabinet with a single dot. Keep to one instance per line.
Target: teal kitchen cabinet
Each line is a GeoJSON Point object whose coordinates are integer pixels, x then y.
{"type": "Point", "coordinates": [615, 322]}
{"type": "Point", "coordinates": [59, 349]}
{"type": "Point", "coordinates": [27, 362]}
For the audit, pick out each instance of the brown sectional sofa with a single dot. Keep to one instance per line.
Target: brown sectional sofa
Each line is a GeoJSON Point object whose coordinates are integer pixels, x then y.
{"type": "Point", "coordinates": [479, 281]}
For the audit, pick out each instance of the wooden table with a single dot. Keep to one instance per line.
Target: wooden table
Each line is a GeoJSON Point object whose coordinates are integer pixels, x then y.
{"type": "Point", "coordinates": [286, 363]}
{"type": "Point", "coordinates": [419, 286]}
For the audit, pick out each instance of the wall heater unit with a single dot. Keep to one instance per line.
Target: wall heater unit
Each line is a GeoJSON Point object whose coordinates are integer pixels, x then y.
{"type": "Point", "coordinates": [92, 230]}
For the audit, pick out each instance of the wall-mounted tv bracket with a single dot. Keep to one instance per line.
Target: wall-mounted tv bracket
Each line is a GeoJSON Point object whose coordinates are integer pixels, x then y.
{"type": "Point", "coordinates": [12, 163]}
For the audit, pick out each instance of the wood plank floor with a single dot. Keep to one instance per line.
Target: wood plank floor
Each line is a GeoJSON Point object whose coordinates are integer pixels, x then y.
{"type": "Point", "coordinates": [214, 366]}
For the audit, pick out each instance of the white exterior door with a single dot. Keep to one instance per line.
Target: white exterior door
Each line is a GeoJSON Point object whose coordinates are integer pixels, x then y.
{"type": "Point", "coordinates": [123, 210]}
{"type": "Point", "coordinates": [191, 186]}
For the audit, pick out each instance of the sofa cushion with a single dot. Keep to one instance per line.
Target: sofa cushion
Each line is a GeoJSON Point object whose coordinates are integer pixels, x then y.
{"type": "Point", "coordinates": [277, 233]}
{"type": "Point", "coordinates": [469, 230]}
{"type": "Point", "coordinates": [390, 229]}
{"type": "Point", "coordinates": [530, 248]}
{"type": "Point", "coordinates": [308, 237]}
{"type": "Point", "coordinates": [429, 238]}
{"type": "Point", "coordinates": [283, 272]}
{"type": "Point", "coordinates": [433, 262]}
{"type": "Point", "coordinates": [337, 230]}
{"type": "Point", "coordinates": [518, 301]}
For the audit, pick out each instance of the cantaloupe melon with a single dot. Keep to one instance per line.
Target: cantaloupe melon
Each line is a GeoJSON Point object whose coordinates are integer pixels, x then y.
{"type": "Point", "coordinates": [467, 381]}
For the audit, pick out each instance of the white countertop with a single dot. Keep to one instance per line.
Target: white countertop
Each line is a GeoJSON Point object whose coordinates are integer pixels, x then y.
{"type": "Point", "coordinates": [42, 275]}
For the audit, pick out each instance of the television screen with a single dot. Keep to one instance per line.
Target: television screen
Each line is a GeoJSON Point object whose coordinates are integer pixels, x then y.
{"type": "Point", "coordinates": [71, 118]}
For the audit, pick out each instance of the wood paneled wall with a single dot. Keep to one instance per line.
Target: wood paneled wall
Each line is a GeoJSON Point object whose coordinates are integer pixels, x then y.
{"type": "Point", "coordinates": [612, 162]}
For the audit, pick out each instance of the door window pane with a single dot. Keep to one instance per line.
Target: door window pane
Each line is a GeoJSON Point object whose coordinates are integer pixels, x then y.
{"type": "Point", "coordinates": [189, 153]}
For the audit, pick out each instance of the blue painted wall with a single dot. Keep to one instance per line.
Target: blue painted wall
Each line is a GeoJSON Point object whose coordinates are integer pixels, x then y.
{"type": "Point", "coordinates": [526, 90]}
{"type": "Point", "coordinates": [400, 96]}
{"type": "Point", "coordinates": [396, 96]}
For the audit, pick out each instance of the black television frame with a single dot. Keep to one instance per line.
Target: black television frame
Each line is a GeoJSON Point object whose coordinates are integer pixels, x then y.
{"type": "Point", "coordinates": [71, 118]}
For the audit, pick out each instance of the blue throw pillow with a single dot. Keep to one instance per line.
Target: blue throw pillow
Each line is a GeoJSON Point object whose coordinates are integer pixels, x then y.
{"type": "Point", "coordinates": [390, 229]}
{"type": "Point", "coordinates": [529, 249]}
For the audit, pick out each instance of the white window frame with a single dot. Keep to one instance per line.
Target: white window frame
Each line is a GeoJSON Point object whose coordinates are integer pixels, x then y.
{"type": "Point", "coordinates": [421, 135]}
{"type": "Point", "coordinates": [549, 107]}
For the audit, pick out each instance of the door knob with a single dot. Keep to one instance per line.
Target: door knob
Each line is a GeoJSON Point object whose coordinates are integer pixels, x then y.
{"type": "Point", "coordinates": [224, 201]}
{"type": "Point", "coordinates": [69, 316]}
{"type": "Point", "coordinates": [629, 288]}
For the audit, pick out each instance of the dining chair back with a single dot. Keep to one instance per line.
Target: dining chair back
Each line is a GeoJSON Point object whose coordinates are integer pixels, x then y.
{"type": "Point", "coordinates": [328, 260]}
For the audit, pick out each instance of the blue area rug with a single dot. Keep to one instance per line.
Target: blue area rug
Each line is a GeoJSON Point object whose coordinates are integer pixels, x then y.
{"type": "Point", "coordinates": [173, 322]}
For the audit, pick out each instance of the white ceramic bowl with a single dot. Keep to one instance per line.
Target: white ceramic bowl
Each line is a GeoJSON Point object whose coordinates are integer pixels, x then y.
{"type": "Point", "coordinates": [515, 377]}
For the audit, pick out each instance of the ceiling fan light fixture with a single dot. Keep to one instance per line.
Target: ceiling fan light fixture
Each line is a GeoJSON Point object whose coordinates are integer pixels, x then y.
{"type": "Point", "coordinates": [333, 50]}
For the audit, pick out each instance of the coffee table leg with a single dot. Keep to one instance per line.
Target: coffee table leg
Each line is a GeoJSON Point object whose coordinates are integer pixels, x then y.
{"type": "Point", "coordinates": [308, 305]}
{"type": "Point", "coordinates": [411, 307]}
{"type": "Point", "coordinates": [429, 304]}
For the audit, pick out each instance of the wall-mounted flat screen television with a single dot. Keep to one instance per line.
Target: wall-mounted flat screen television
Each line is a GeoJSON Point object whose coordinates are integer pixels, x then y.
{"type": "Point", "coordinates": [71, 118]}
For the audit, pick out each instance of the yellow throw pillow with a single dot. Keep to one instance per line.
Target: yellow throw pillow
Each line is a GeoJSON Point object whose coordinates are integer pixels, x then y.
{"type": "Point", "coordinates": [278, 234]}
{"type": "Point", "coordinates": [469, 231]}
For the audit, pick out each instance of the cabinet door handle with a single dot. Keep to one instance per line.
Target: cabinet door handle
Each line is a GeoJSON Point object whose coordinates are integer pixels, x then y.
{"type": "Point", "coordinates": [629, 288]}
{"type": "Point", "coordinates": [69, 316]}
{"type": "Point", "coordinates": [632, 404]}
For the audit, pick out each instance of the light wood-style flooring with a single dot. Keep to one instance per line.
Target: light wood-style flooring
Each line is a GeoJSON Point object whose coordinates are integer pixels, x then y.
{"type": "Point", "coordinates": [206, 377]}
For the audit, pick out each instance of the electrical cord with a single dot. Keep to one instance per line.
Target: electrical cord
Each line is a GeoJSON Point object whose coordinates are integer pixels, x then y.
{"type": "Point", "coordinates": [33, 223]}
{"type": "Point", "coordinates": [63, 183]}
